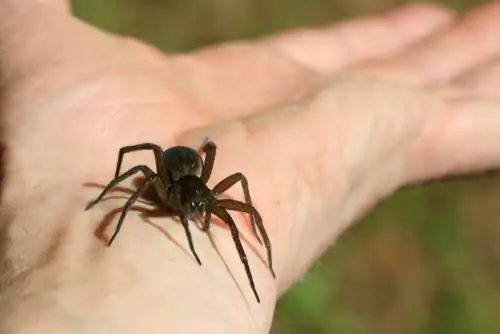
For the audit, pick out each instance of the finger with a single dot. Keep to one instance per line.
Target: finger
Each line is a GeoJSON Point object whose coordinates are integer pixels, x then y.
{"type": "Point", "coordinates": [61, 5]}
{"type": "Point", "coordinates": [332, 48]}
{"type": "Point", "coordinates": [446, 54]}
{"type": "Point", "coordinates": [241, 78]}
{"type": "Point", "coordinates": [311, 167]}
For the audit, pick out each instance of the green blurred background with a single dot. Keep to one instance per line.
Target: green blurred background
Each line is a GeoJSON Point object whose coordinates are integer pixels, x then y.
{"type": "Point", "coordinates": [425, 261]}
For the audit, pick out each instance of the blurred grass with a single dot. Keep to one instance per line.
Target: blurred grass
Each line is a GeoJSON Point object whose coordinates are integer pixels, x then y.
{"type": "Point", "coordinates": [426, 261]}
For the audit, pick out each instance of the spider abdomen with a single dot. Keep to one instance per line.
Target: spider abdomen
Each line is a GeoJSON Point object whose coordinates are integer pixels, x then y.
{"type": "Point", "coordinates": [180, 161]}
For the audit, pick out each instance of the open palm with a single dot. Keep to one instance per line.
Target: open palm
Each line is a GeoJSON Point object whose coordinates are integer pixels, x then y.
{"type": "Point", "coordinates": [324, 123]}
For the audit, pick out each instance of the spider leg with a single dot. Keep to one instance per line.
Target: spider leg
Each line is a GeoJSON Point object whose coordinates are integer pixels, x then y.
{"type": "Point", "coordinates": [185, 223]}
{"type": "Point", "coordinates": [210, 149]}
{"type": "Point", "coordinates": [139, 192]}
{"type": "Point", "coordinates": [226, 218]}
{"type": "Point", "coordinates": [231, 204]}
{"type": "Point", "coordinates": [230, 181]}
{"type": "Point", "coordinates": [157, 150]}
{"type": "Point", "coordinates": [141, 168]}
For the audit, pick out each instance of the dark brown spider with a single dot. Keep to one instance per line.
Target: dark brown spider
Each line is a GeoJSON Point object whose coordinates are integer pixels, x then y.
{"type": "Point", "coordinates": [180, 183]}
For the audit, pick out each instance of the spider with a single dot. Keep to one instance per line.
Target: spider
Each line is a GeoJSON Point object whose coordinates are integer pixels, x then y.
{"type": "Point", "coordinates": [180, 182]}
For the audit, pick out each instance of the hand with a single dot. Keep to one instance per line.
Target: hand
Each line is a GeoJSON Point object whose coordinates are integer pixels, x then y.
{"type": "Point", "coordinates": [324, 123]}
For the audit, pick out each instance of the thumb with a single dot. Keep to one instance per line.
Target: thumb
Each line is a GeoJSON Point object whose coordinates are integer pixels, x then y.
{"type": "Point", "coordinates": [461, 140]}
{"type": "Point", "coordinates": [317, 166]}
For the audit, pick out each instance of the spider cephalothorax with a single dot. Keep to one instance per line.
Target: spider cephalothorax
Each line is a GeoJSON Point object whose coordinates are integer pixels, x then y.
{"type": "Point", "coordinates": [180, 182]}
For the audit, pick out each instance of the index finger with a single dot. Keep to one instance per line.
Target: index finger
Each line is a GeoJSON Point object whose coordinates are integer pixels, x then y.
{"type": "Point", "coordinates": [236, 79]}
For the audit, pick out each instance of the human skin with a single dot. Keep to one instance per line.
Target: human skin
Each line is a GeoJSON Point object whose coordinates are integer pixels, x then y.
{"type": "Point", "coordinates": [325, 123]}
